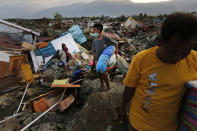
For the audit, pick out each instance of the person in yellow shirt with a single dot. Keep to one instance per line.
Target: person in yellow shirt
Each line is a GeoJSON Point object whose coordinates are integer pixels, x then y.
{"type": "Point", "coordinates": [155, 81]}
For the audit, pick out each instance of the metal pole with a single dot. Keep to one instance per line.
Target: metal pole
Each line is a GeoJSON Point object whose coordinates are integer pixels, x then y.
{"type": "Point", "coordinates": [9, 117]}
{"type": "Point", "coordinates": [22, 99]}
{"type": "Point", "coordinates": [63, 95]}
{"type": "Point", "coordinates": [27, 126]}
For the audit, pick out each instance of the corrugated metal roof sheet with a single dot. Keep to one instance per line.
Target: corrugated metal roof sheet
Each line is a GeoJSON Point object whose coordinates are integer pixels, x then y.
{"type": "Point", "coordinates": [19, 27]}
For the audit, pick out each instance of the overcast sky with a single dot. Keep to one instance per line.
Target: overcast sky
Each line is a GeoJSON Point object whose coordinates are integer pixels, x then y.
{"type": "Point", "coordinates": [36, 5]}
{"type": "Point", "coordinates": [17, 8]}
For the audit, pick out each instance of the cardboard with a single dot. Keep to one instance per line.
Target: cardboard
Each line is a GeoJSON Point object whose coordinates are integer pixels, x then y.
{"type": "Point", "coordinates": [42, 45]}
{"type": "Point", "coordinates": [28, 46]}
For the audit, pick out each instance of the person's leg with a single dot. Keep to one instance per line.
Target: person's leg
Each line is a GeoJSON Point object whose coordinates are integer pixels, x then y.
{"type": "Point", "coordinates": [106, 80]}
{"type": "Point", "coordinates": [102, 83]}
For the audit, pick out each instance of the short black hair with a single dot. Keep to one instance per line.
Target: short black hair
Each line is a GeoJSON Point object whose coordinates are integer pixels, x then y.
{"type": "Point", "coordinates": [98, 26]}
{"type": "Point", "coordinates": [63, 45]}
{"type": "Point", "coordinates": [181, 25]}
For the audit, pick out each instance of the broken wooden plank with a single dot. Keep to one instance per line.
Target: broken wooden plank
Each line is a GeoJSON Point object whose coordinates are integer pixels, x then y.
{"type": "Point", "coordinates": [66, 103]}
{"type": "Point", "coordinates": [28, 46]}
{"type": "Point", "coordinates": [75, 82]}
{"type": "Point", "coordinates": [42, 44]}
{"type": "Point", "coordinates": [4, 68]}
{"type": "Point", "coordinates": [42, 95]}
{"type": "Point", "coordinates": [8, 89]}
{"type": "Point", "coordinates": [37, 75]}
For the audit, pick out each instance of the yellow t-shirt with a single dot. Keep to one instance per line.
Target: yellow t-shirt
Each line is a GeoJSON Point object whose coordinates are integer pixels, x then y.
{"type": "Point", "coordinates": [159, 90]}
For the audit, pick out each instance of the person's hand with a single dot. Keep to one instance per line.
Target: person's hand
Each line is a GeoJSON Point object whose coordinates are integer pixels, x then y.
{"type": "Point", "coordinates": [116, 55]}
{"type": "Point", "coordinates": [93, 66]}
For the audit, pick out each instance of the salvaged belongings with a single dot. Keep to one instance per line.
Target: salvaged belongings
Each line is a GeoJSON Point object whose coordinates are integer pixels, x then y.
{"type": "Point", "coordinates": [104, 59]}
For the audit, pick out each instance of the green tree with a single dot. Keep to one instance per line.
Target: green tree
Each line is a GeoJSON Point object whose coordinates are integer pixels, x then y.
{"type": "Point", "coordinates": [140, 16]}
{"type": "Point", "coordinates": [102, 17]}
{"type": "Point", "coordinates": [93, 18]}
{"type": "Point", "coordinates": [45, 31]}
{"type": "Point", "coordinates": [58, 16]}
{"type": "Point", "coordinates": [160, 16]}
{"type": "Point", "coordinates": [122, 18]}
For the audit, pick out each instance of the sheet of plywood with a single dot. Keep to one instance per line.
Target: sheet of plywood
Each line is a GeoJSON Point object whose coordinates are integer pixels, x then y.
{"type": "Point", "coordinates": [4, 70]}
{"type": "Point", "coordinates": [66, 102]}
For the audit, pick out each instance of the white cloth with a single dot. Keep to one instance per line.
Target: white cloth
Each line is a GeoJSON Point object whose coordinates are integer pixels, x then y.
{"type": "Point", "coordinates": [63, 56]}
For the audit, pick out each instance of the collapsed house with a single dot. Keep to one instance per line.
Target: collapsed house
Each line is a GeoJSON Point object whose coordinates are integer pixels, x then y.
{"type": "Point", "coordinates": [17, 33]}
{"type": "Point", "coordinates": [11, 38]}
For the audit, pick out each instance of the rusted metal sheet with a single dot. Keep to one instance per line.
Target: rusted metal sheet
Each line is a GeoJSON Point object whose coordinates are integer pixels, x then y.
{"type": "Point", "coordinates": [15, 63]}
{"type": "Point", "coordinates": [4, 70]}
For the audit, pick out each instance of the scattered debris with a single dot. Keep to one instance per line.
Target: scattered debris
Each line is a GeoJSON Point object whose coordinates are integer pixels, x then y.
{"type": "Point", "coordinates": [39, 91]}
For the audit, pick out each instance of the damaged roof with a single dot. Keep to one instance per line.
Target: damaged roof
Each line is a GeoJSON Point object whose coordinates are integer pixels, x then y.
{"type": "Point", "coordinates": [19, 27]}
{"type": "Point", "coordinates": [8, 43]}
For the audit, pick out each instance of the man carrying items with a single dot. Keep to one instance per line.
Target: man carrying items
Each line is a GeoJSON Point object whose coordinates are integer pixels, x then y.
{"type": "Point", "coordinates": [155, 81]}
{"type": "Point", "coordinates": [98, 46]}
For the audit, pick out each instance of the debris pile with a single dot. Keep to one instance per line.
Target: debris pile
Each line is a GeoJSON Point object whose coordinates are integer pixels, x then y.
{"type": "Point", "coordinates": [45, 82]}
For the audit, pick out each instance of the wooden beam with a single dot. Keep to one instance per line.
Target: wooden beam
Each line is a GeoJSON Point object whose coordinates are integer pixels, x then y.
{"type": "Point", "coordinates": [42, 95]}
{"type": "Point", "coordinates": [65, 86]}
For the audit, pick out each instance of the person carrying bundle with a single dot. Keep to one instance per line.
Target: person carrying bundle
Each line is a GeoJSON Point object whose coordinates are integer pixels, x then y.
{"type": "Point", "coordinates": [103, 48]}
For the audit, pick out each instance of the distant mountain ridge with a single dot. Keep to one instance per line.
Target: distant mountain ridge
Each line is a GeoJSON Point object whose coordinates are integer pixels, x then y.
{"type": "Point", "coordinates": [98, 8]}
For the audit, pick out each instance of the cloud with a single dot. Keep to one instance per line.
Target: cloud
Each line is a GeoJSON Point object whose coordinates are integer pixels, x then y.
{"type": "Point", "coordinates": [23, 8]}
{"type": "Point", "coordinates": [147, 1]}
{"type": "Point", "coordinates": [20, 8]}
{"type": "Point", "coordinates": [38, 4]}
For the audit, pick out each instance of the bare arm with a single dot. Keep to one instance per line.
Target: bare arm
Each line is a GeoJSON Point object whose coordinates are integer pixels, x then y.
{"type": "Point", "coordinates": [94, 55]}
{"type": "Point", "coordinates": [127, 95]}
{"type": "Point", "coordinates": [126, 99]}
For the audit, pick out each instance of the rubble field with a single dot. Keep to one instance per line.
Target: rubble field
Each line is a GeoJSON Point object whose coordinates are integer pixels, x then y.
{"type": "Point", "coordinates": [95, 112]}
{"type": "Point", "coordinates": [46, 76]}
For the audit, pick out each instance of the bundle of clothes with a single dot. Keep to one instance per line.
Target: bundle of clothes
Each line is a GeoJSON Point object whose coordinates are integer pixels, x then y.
{"type": "Point", "coordinates": [188, 114]}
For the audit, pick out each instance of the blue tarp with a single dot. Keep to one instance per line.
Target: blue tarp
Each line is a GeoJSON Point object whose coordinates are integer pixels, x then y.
{"type": "Point", "coordinates": [77, 34]}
